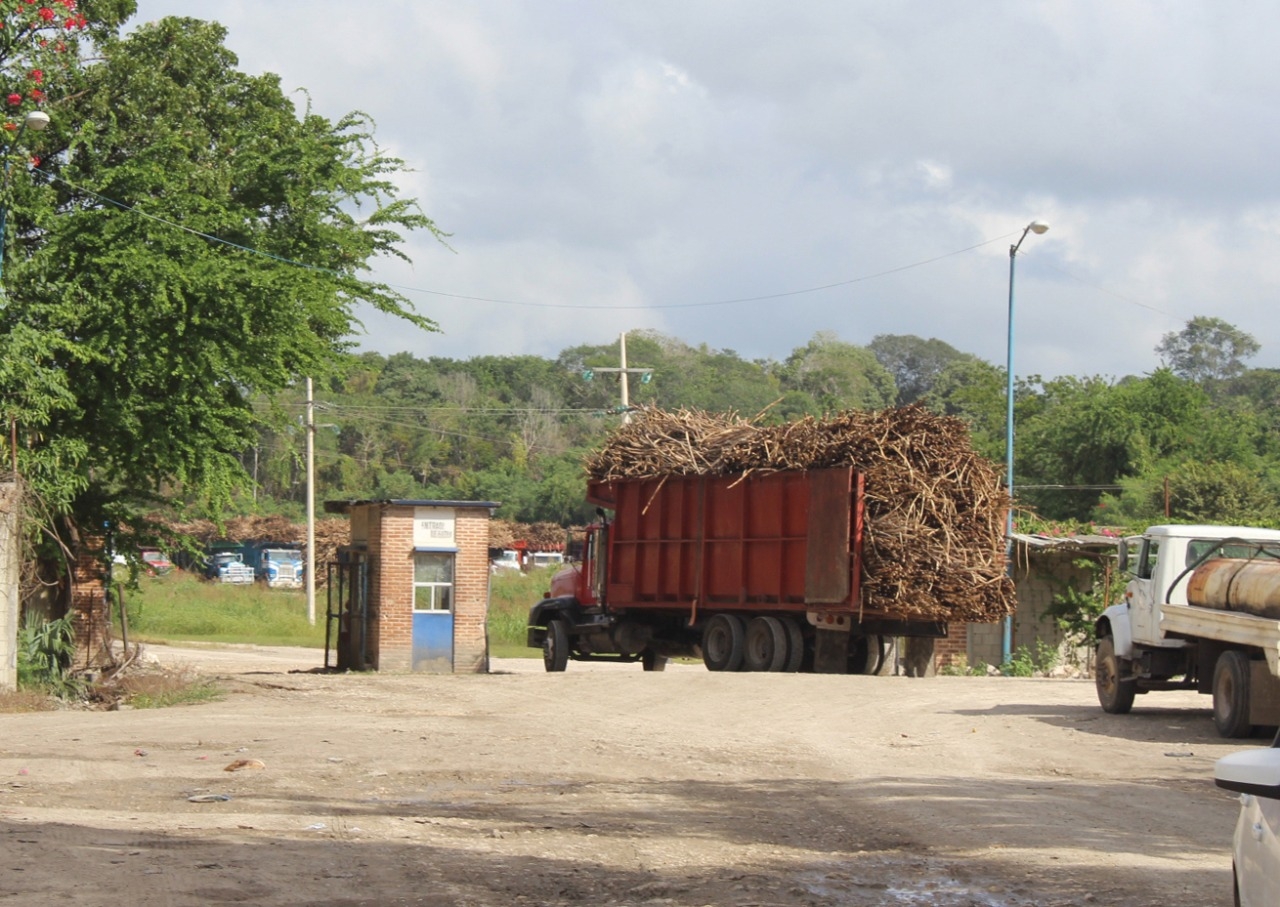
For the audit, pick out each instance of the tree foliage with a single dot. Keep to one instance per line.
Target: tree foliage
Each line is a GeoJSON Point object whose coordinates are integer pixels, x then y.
{"type": "Point", "coordinates": [1206, 350]}
{"type": "Point", "coordinates": [190, 243]}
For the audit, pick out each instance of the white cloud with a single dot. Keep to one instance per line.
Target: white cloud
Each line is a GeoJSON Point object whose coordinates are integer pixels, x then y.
{"type": "Point", "coordinates": [668, 153]}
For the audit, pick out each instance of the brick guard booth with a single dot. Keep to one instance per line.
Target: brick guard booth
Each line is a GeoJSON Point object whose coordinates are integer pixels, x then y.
{"type": "Point", "coordinates": [411, 590]}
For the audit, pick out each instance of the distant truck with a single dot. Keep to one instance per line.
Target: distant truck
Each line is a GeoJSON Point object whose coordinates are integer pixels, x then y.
{"type": "Point", "coordinates": [1201, 612]}
{"type": "Point", "coordinates": [758, 573]}
{"type": "Point", "coordinates": [224, 562]}
{"type": "Point", "coordinates": [281, 566]}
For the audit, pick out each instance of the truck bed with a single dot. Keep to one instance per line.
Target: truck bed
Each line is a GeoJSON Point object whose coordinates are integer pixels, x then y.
{"type": "Point", "coordinates": [782, 541]}
{"type": "Point", "coordinates": [1224, 626]}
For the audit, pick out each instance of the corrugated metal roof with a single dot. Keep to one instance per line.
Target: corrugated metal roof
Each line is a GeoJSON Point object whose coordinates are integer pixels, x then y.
{"type": "Point", "coordinates": [1048, 542]}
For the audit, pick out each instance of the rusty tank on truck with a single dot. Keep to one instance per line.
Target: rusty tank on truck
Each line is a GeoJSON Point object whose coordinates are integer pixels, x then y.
{"type": "Point", "coordinates": [1233, 584]}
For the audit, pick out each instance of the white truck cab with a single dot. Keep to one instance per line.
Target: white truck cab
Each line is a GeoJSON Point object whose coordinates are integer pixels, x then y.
{"type": "Point", "coordinates": [1154, 639]}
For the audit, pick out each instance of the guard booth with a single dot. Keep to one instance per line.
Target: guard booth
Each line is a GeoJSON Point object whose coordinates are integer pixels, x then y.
{"type": "Point", "coordinates": [410, 591]}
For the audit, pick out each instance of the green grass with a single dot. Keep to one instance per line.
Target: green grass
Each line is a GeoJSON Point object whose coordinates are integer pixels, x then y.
{"type": "Point", "coordinates": [182, 607]}
{"type": "Point", "coordinates": [511, 595]}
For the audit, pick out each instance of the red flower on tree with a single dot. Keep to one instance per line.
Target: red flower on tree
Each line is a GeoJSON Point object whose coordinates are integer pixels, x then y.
{"type": "Point", "coordinates": [14, 100]}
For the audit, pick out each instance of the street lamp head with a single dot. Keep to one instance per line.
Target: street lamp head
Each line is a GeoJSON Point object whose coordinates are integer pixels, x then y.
{"type": "Point", "coordinates": [1037, 227]}
{"type": "Point", "coordinates": [36, 120]}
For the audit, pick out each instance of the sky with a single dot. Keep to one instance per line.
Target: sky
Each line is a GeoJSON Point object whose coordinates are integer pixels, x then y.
{"type": "Point", "coordinates": [746, 173]}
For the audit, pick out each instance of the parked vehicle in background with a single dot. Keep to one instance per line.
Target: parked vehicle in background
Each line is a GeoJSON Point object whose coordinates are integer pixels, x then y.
{"type": "Point", "coordinates": [281, 567]}
{"type": "Point", "coordinates": [508, 559]}
{"type": "Point", "coordinates": [1255, 776]}
{"type": "Point", "coordinates": [155, 562]}
{"type": "Point", "coordinates": [546, 559]}
{"type": "Point", "coordinates": [1201, 612]}
{"type": "Point", "coordinates": [225, 563]}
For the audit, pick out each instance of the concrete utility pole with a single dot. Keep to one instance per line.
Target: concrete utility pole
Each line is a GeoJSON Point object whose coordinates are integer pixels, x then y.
{"type": "Point", "coordinates": [10, 564]}
{"type": "Point", "coordinates": [623, 373]}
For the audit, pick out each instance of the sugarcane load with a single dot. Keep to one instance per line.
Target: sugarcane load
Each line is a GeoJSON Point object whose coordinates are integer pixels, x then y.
{"type": "Point", "coordinates": [801, 546]}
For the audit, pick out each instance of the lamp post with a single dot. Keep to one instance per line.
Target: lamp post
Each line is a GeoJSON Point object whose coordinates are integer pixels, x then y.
{"type": "Point", "coordinates": [36, 121]}
{"type": "Point", "coordinates": [1037, 227]}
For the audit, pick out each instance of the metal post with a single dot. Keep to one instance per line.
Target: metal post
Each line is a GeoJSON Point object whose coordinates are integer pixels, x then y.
{"type": "Point", "coordinates": [311, 507]}
{"type": "Point", "coordinates": [1006, 645]}
{"type": "Point", "coordinates": [626, 387]}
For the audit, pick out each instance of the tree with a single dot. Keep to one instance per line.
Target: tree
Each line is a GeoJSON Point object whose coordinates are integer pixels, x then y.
{"type": "Point", "coordinates": [914, 363]}
{"type": "Point", "coordinates": [1207, 350]}
{"type": "Point", "coordinates": [136, 342]}
{"type": "Point", "coordinates": [838, 375]}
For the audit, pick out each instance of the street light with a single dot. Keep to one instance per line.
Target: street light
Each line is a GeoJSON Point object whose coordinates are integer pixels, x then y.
{"type": "Point", "coordinates": [36, 121]}
{"type": "Point", "coordinates": [1037, 227]}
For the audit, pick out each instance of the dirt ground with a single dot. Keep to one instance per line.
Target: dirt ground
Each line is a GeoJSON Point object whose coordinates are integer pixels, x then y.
{"type": "Point", "coordinates": [606, 785]}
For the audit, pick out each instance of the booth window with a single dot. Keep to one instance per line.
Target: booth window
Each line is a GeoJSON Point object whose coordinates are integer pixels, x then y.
{"type": "Point", "coordinates": [432, 581]}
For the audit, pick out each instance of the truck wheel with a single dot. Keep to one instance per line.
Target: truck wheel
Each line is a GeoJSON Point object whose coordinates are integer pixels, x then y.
{"type": "Point", "coordinates": [1231, 694]}
{"type": "Point", "coordinates": [1115, 695]}
{"type": "Point", "coordinates": [555, 648]}
{"type": "Point", "coordinates": [652, 661]}
{"type": "Point", "coordinates": [722, 643]}
{"type": "Point", "coordinates": [795, 645]}
{"type": "Point", "coordinates": [866, 654]}
{"type": "Point", "coordinates": [766, 648]}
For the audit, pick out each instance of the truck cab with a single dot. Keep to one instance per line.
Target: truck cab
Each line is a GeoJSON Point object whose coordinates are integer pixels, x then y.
{"type": "Point", "coordinates": [1157, 567]}
{"type": "Point", "coordinates": [1156, 639]}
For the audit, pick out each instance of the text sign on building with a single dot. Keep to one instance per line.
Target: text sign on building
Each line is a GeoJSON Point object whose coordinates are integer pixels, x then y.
{"type": "Point", "coordinates": [433, 527]}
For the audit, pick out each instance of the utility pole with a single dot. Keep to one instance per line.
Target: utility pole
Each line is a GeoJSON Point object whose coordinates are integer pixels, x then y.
{"type": "Point", "coordinates": [311, 506]}
{"type": "Point", "coordinates": [623, 373]}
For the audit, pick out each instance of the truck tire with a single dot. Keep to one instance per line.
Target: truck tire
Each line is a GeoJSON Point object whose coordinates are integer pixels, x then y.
{"type": "Point", "coordinates": [652, 661]}
{"type": "Point", "coordinates": [795, 645]}
{"type": "Point", "coordinates": [555, 648]}
{"type": "Point", "coordinates": [1231, 694]}
{"type": "Point", "coordinates": [1114, 694]}
{"type": "Point", "coordinates": [723, 641]}
{"type": "Point", "coordinates": [766, 645]}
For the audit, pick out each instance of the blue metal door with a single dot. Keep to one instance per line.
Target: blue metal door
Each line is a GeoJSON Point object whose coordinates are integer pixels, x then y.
{"type": "Point", "coordinates": [433, 611]}
{"type": "Point", "coordinates": [433, 641]}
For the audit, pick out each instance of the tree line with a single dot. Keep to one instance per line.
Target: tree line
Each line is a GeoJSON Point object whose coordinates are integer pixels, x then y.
{"type": "Point", "coordinates": [1192, 441]}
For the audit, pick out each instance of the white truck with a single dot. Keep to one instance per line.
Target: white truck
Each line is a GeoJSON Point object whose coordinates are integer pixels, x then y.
{"type": "Point", "coordinates": [1185, 623]}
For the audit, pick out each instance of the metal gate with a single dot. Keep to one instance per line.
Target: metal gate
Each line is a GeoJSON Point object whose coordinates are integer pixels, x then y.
{"type": "Point", "coordinates": [346, 629]}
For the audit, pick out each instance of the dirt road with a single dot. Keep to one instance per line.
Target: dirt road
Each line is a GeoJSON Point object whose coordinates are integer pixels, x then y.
{"type": "Point", "coordinates": [612, 786]}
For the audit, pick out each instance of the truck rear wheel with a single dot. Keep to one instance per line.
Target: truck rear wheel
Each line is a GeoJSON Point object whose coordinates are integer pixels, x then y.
{"type": "Point", "coordinates": [795, 645]}
{"type": "Point", "coordinates": [1231, 694]}
{"type": "Point", "coordinates": [723, 642]}
{"type": "Point", "coordinates": [766, 645]}
{"type": "Point", "coordinates": [1114, 693]}
{"type": "Point", "coordinates": [555, 647]}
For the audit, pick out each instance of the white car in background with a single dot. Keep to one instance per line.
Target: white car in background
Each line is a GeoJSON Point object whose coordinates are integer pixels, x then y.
{"type": "Point", "coordinates": [1255, 776]}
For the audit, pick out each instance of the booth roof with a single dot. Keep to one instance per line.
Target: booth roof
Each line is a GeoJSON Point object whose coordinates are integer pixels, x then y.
{"type": "Point", "coordinates": [347, 506]}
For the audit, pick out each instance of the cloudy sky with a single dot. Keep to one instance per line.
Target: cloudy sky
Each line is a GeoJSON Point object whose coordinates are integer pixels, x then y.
{"type": "Point", "coordinates": [863, 166]}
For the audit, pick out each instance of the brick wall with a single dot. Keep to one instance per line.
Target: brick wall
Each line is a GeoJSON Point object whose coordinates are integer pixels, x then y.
{"type": "Point", "coordinates": [953, 650]}
{"type": "Point", "coordinates": [389, 530]}
{"type": "Point", "coordinates": [90, 614]}
{"type": "Point", "coordinates": [471, 592]}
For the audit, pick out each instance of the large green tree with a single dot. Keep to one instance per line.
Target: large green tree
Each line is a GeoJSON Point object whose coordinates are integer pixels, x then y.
{"type": "Point", "coordinates": [190, 242]}
{"type": "Point", "coordinates": [1207, 350]}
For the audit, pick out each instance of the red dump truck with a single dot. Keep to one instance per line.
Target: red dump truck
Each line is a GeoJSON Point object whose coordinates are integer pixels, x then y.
{"type": "Point", "coordinates": [757, 573]}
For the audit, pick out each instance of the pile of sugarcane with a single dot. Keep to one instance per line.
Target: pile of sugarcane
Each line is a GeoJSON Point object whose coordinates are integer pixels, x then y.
{"type": "Point", "coordinates": [935, 508]}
